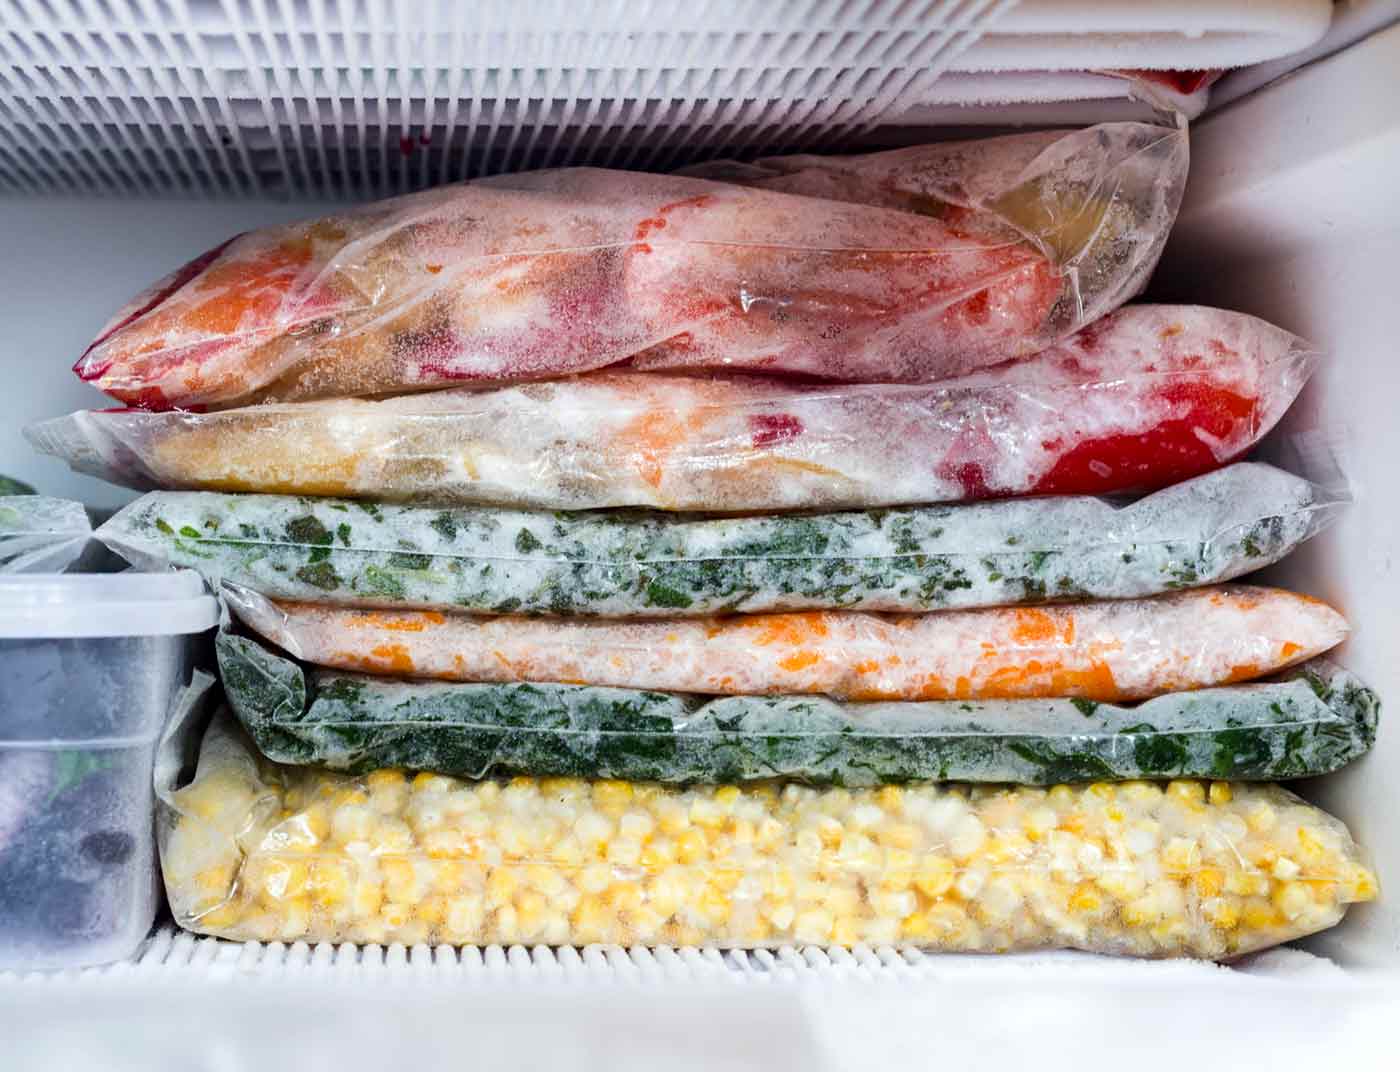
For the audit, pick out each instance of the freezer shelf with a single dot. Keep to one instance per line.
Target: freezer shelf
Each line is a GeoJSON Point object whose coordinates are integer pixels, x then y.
{"type": "Point", "coordinates": [174, 956]}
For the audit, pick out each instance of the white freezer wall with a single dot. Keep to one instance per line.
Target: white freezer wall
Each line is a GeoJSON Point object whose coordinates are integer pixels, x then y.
{"type": "Point", "coordinates": [1292, 213]}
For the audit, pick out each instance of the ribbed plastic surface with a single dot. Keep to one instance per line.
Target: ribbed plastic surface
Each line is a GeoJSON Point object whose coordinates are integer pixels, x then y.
{"type": "Point", "coordinates": [363, 97]}
{"type": "Point", "coordinates": [173, 954]}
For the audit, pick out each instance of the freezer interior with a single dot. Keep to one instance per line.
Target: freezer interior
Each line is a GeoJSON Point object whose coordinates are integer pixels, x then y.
{"type": "Point", "coordinates": [1290, 214]}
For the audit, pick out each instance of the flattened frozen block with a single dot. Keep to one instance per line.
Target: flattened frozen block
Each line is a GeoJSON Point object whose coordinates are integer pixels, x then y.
{"type": "Point", "coordinates": [1311, 720]}
{"type": "Point", "coordinates": [251, 850]}
{"type": "Point", "coordinates": [1146, 397]}
{"type": "Point", "coordinates": [1106, 651]}
{"type": "Point", "coordinates": [553, 272]}
{"type": "Point", "coordinates": [1209, 529]}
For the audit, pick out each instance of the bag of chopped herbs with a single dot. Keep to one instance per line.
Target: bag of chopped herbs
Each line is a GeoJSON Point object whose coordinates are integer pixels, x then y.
{"type": "Point", "coordinates": [1209, 529]}
{"type": "Point", "coordinates": [1310, 720]}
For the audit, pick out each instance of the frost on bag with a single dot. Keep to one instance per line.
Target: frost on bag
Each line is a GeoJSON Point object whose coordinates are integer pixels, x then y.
{"type": "Point", "coordinates": [1203, 531]}
{"type": "Point", "coordinates": [41, 535]}
{"type": "Point", "coordinates": [969, 255]}
{"type": "Point", "coordinates": [1312, 720]}
{"type": "Point", "coordinates": [1105, 651]}
{"type": "Point", "coordinates": [1143, 398]}
{"type": "Point", "coordinates": [254, 850]}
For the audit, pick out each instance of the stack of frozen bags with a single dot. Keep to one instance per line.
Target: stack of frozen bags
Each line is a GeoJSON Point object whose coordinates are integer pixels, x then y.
{"type": "Point", "coordinates": [782, 698]}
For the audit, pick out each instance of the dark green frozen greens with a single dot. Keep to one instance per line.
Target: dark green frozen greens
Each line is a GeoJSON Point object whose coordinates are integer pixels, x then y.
{"type": "Point", "coordinates": [1311, 720]}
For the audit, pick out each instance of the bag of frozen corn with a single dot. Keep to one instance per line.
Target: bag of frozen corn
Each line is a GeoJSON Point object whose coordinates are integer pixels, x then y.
{"type": "Point", "coordinates": [1148, 396]}
{"type": "Point", "coordinates": [926, 263]}
{"type": "Point", "coordinates": [254, 850]}
{"type": "Point", "coordinates": [625, 565]}
{"type": "Point", "coordinates": [1101, 651]}
{"type": "Point", "coordinates": [1309, 721]}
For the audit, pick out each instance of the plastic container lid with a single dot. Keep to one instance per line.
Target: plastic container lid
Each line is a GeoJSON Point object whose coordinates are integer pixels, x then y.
{"type": "Point", "coordinates": [105, 605]}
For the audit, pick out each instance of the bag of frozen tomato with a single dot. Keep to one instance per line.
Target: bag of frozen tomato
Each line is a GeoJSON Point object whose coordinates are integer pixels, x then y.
{"type": "Point", "coordinates": [1147, 396]}
{"type": "Point", "coordinates": [908, 266]}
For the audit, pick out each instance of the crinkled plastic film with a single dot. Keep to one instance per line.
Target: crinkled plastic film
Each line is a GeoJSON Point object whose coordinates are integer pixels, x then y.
{"type": "Point", "coordinates": [1104, 650]}
{"type": "Point", "coordinates": [1209, 529]}
{"type": "Point", "coordinates": [41, 535]}
{"type": "Point", "coordinates": [1311, 721]}
{"type": "Point", "coordinates": [969, 255]}
{"type": "Point", "coordinates": [1148, 396]}
{"type": "Point", "coordinates": [254, 850]}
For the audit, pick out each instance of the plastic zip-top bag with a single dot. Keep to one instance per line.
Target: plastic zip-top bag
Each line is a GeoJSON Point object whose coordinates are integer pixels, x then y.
{"type": "Point", "coordinates": [1312, 720]}
{"type": "Point", "coordinates": [1104, 650]}
{"type": "Point", "coordinates": [990, 251]}
{"type": "Point", "coordinates": [1203, 531]}
{"type": "Point", "coordinates": [41, 535]}
{"type": "Point", "coordinates": [1143, 398]}
{"type": "Point", "coordinates": [255, 850]}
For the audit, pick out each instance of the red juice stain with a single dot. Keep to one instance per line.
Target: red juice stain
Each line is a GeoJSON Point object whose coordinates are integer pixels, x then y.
{"type": "Point", "coordinates": [772, 428]}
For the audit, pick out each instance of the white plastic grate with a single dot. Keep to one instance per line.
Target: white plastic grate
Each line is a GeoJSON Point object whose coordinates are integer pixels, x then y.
{"type": "Point", "coordinates": [367, 97]}
{"type": "Point", "coordinates": [172, 955]}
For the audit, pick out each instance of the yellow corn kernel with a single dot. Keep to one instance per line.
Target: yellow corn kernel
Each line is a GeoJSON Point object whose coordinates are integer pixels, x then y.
{"type": "Point", "coordinates": [1209, 882]}
{"type": "Point", "coordinates": [814, 926]}
{"type": "Point", "coordinates": [444, 844]}
{"type": "Point", "coordinates": [385, 778]}
{"type": "Point", "coordinates": [366, 900]}
{"type": "Point", "coordinates": [625, 896]}
{"type": "Point", "coordinates": [1291, 899]}
{"type": "Point", "coordinates": [1246, 883]}
{"type": "Point", "coordinates": [502, 885]}
{"type": "Point", "coordinates": [1260, 817]}
{"type": "Point", "coordinates": [1189, 793]}
{"type": "Point", "coordinates": [727, 796]}
{"type": "Point", "coordinates": [427, 782]}
{"type": "Point", "coordinates": [690, 846]}
{"type": "Point", "coordinates": [891, 798]}
{"type": "Point", "coordinates": [392, 835]}
{"type": "Point", "coordinates": [1222, 912]}
{"type": "Point", "coordinates": [1181, 855]}
{"type": "Point", "coordinates": [1361, 883]}
{"type": "Point", "coordinates": [465, 916]}
{"type": "Point", "coordinates": [1261, 916]}
{"type": "Point", "coordinates": [1221, 793]}
{"type": "Point", "coordinates": [713, 904]}
{"type": "Point", "coordinates": [532, 910]}
{"type": "Point", "coordinates": [1102, 791]}
{"type": "Point", "coordinates": [1086, 900]}
{"type": "Point", "coordinates": [352, 822]}
{"type": "Point", "coordinates": [433, 910]}
{"type": "Point", "coordinates": [1038, 823]}
{"type": "Point", "coordinates": [612, 793]}
{"type": "Point", "coordinates": [592, 921]}
{"type": "Point", "coordinates": [1310, 848]}
{"type": "Point", "coordinates": [899, 836]}
{"type": "Point", "coordinates": [847, 931]}
{"type": "Point", "coordinates": [328, 882]}
{"type": "Point", "coordinates": [934, 876]}
{"type": "Point", "coordinates": [946, 921]}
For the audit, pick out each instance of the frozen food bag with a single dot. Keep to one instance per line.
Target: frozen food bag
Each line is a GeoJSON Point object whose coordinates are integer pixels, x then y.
{"type": "Point", "coordinates": [942, 260]}
{"type": "Point", "coordinates": [41, 535]}
{"type": "Point", "coordinates": [624, 565]}
{"type": "Point", "coordinates": [1104, 651]}
{"type": "Point", "coordinates": [254, 850]}
{"type": "Point", "coordinates": [1312, 720]}
{"type": "Point", "coordinates": [1146, 397]}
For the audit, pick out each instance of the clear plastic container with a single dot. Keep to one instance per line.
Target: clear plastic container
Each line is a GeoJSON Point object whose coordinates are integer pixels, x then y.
{"type": "Point", "coordinates": [89, 667]}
